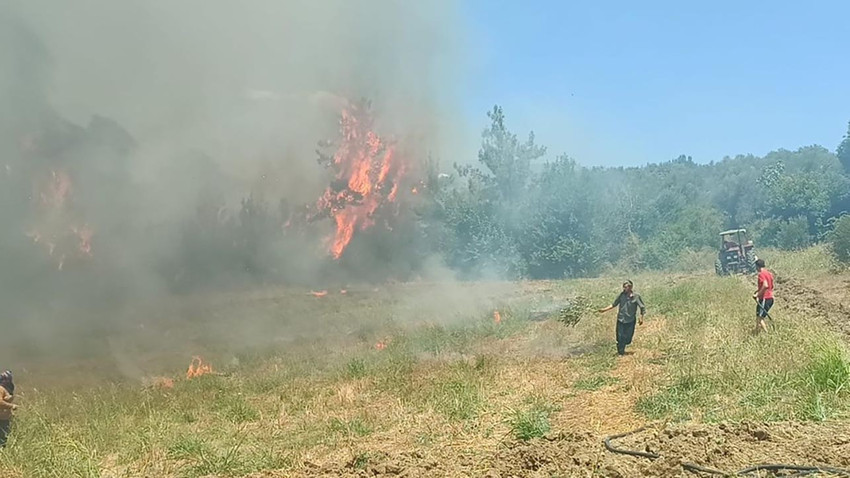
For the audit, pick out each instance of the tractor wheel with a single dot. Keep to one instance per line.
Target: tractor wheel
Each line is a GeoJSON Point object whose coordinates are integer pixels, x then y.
{"type": "Point", "coordinates": [751, 261]}
{"type": "Point", "coordinates": [718, 267]}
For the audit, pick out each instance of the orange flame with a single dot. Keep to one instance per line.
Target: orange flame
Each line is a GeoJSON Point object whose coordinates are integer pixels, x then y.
{"type": "Point", "coordinates": [63, 239]}
{"type": "Point", "coordinates": [197, 368]}
{"type": "Point", "coordinates": [497, 317]}
{"type": "Point", "coordinates": [366, 165]}
{"type": "Point", "coordinates": [320, 293]}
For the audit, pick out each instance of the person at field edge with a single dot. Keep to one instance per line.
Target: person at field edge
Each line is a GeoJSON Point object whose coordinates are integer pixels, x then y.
{"type": "Point", "coordinates": [7, 390]}
{"type": "Point", "coordinates": [628, 301]}
{"type": "Point", "coordinates": [764, 295]}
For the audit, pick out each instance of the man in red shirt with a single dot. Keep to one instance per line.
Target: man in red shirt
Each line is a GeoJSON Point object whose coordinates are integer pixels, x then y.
{"type": "Point", "coordinates": [764, 295]}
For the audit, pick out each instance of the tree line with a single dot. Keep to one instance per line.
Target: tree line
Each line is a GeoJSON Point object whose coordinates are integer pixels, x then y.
{"type": "Point", "coordinates": [514, 213]}
{"type": "Point", "coordinates": [519, 215]}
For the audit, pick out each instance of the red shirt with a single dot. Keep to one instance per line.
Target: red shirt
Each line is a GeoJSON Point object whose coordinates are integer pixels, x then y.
{"type": "Point", "coordinates": [766, 279]}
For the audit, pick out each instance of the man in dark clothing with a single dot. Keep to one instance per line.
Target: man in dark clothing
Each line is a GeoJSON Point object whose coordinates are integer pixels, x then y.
{"type": "Point", "coordinates": [7, 390]}
{"type": "Point", "coordinates": [628, 302]}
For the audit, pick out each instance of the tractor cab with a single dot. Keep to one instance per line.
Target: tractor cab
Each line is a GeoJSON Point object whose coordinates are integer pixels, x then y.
{"type": "Point", "coordinates": [737, 254]}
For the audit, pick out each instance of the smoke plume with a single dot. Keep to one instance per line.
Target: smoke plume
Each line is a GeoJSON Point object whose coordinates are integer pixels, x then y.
{"type": "Point", "coordinates": [133, 132]}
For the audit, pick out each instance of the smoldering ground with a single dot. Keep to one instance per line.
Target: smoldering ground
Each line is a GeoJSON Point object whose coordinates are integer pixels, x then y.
{"type": "Point", "coordinates": [131, 131]}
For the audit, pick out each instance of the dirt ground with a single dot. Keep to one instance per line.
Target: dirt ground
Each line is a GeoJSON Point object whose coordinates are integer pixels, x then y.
{"type": "Point", "coordinates": [823, 298]}
{"type": "Point", "coordinates": [725, 447]}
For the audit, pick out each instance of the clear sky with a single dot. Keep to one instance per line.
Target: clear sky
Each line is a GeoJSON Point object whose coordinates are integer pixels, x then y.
{"type": "Point", "coordinates": [630, 82]}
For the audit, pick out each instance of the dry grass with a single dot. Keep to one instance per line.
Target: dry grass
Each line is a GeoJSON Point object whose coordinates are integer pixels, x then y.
{"type": "Point", "coordinates": [292, 395]}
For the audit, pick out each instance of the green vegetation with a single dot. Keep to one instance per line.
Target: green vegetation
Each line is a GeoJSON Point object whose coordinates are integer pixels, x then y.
{"type": "Point", "coordinates": [716, 370]}
{"type": "Point", "coordinates": [526, 216]}
{"type": "Point", "coordinates": [840, 239]}
{"type": "Point", "coordinates": [531, 422]}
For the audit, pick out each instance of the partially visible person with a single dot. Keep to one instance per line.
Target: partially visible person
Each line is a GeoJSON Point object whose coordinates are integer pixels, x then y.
{"type": "Point", "coordinates": [763, 296]}
{"type": "Point", "coordinates": [7, 391]}
{"type": "Point", "coordinates": [629, 302]}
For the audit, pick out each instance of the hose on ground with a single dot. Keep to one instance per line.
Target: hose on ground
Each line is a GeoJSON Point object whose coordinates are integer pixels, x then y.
{"type": "Point", "coordinates": [694, 468]}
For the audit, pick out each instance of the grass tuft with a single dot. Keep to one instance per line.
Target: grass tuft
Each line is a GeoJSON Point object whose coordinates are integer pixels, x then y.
{"type": "Point", "coordinates": [356, 368]}
{"type": "Point", "coordinates": [829, 369]}
{"type": "Point", "coordinates": [531, 422]}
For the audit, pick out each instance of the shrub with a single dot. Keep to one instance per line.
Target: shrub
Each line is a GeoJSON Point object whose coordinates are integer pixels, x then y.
{"type": "Point", "coordinates": [793, 234]}
{"type": "Point", "coordinates": [840, 239]}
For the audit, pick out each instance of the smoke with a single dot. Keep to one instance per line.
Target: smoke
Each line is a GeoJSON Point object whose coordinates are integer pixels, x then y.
{"type": "Point", "coordinates": [126, 125]}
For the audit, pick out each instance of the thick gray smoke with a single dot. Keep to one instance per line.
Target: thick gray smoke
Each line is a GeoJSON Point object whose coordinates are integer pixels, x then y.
{"type": "Point", "coordinates": [125, 124]}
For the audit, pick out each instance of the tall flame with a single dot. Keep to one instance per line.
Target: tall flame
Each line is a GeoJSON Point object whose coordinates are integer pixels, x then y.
{"type": "Point", "coordinates": [367, 177]}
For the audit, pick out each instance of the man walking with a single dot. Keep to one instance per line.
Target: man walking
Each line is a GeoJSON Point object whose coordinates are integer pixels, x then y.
{"type": "Point", "coordinates": [628, 302]}
{"type": "Point", "coordinates": [763, 296]}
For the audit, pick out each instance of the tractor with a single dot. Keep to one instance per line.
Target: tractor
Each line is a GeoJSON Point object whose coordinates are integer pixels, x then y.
{"type": "Point", "coordinates": [736, 255]}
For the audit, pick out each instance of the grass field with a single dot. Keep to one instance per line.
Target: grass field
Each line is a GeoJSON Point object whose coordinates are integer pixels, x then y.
{"type": "Point", "coordinates": [305, 385]}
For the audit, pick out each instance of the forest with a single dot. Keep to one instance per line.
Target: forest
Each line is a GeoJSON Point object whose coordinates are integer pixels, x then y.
{"type": "Point", "coordinates": [514, 212]}
{"type": "Point", "coordinates": [554, 218]}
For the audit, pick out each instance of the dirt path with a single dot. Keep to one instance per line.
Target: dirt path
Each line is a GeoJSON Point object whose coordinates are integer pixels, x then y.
{"type": "Point", "coordinates": [611, 408]}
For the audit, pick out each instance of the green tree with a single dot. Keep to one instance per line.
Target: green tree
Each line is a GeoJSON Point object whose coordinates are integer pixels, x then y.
{"type": "Point", "coordinates": [797, 195]}
{"type": "Point", "coordinates": [555, 236]}
{"type": "Point", "coordinates": [793, 234]}
{"type": "Point", "coordinates": [840, 239]}
{"type": "Point", "coordinates": [843, 151]}
{"type": "Point", "coordinates": [507, 160]}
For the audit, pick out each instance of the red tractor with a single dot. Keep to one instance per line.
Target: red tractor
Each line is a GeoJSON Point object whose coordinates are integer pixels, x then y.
{"type": "Point", "coordinates": [737, 255]}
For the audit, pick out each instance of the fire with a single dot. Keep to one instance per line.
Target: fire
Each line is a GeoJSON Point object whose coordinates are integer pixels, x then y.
{"type": "Point", "coordinates": [58, 189]}
{"type": "Point", "coordinates": [497, 317]}
{"type": "Point", "coordinates": [367, 176]}
{"type": "Point", "coordinates": [320, 293]}
{"type": "Point", "coordinates": [57, 231]}
{"type": "Point", "coordinates": [197, 368]}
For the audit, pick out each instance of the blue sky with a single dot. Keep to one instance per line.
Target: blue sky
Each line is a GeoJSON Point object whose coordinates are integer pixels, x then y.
{"type": "Point", "coordinates": [626, 82]}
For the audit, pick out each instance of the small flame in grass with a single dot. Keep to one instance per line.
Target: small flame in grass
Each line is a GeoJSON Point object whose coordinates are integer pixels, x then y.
{"type": "Point", "coordinates": [497, 317]}
{"type": "Point", "coordinates": [198, 368]}
{"type": "Point", "coordinates": [343, 291]}
{"type": "Point", "coordinates": [381, 345]}
{"type": "Point", "coordinates": [320, 293]}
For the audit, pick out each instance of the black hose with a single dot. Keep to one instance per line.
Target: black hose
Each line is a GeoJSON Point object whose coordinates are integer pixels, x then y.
{"type": "Point", "coordinates": [643, 454]}
{"type": "Point", "coordinates": [694, 468]}
{"type": "Point", "coordinates": [800, 469]}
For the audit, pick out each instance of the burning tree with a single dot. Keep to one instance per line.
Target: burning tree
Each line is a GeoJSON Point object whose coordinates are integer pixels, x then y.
{"type": "Point", "coordinates": [368, 173]}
